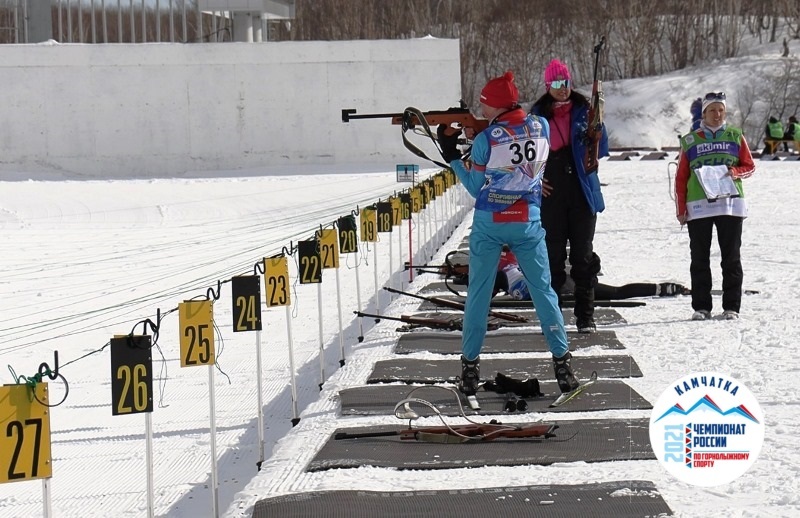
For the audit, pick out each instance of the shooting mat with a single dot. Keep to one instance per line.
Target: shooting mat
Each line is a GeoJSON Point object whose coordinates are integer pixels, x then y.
{"type": "Point", "coordinates": [413, 370]}
{"type": "Point", "coordinates": [602, 316]}
{"type": "Point", "coordinates": [501, 343]}
{"type": "Point", "coordinates": [617, 499]}
{"type": "Point", "coordinates": [381, 399]}
{"type": "Point", "coordinates": [504, 301]}
{"type": "Point", "coordinates": [585, 440]}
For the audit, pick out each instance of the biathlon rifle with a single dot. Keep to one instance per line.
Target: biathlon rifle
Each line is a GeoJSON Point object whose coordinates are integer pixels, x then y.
{"type": "Point", "coordinates": [461, 433]}
{"type": "Point", "coordinates": [413, 119]}
{"type": "Point", "coordinates": [452, 304]}
{"type": "Point", "coordinates": [594, 130]}
{"type": "Point", "coordinates": [448, 324]}
{"type": "Point", "coordinates": [448, 269]}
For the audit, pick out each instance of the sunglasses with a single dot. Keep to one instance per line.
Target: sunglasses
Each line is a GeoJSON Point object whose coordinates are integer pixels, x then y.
{"type": "Point", "coordinates": [560, 83]}
{"type": "Point", "coordinates": [715, 96]}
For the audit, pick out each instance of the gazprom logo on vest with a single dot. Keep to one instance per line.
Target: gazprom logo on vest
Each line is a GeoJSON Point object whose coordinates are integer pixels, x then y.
{"type": "Point", "coordinates": [706, 429]}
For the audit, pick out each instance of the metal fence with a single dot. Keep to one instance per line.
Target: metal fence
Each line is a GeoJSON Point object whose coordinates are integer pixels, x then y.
{"type": "Point", "coordinates": [115, 21]}
{"type": "Point", "coordinates": [12, 21]}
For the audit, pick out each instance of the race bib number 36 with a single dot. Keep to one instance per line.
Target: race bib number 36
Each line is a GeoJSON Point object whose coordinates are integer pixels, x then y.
{"type": "Point", "coordinates": [518, 152]}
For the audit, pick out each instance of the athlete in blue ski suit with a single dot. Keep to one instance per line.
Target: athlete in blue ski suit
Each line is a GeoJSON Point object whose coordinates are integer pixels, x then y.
{"type": "Point", "coordinates": [505, 178]}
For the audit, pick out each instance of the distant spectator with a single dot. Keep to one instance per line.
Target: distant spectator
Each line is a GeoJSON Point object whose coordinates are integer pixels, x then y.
{"type": "Point", "coordinates": [697, 112]}
{"type": "Point", "coordinates": [773, 133]}
{"type": "Point", "coordinates": [792, 133]}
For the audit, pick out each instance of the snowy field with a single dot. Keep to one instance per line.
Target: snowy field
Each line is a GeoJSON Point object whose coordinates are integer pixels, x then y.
{"type": "Point", "coordinates": [85, 260]}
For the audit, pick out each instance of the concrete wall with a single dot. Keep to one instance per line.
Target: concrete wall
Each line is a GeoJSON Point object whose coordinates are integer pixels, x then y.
{"type": "Point", "coordinates": [167, 109]}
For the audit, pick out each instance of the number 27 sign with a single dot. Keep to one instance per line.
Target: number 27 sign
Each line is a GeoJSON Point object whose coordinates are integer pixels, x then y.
{"type": "Point", "coordinates": [24, 433]}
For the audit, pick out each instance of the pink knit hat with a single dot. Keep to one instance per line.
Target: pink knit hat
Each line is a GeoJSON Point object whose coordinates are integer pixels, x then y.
{"type": "Point", "coordinates": [555, 70]}
{"type": "Point", "coordinates": [500, 92]}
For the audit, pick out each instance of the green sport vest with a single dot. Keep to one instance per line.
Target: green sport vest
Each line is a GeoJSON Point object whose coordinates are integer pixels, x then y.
{"type": "Point", "coordinates": [775, 129]}
{"type": "Point", "coordinates": [720, 150]}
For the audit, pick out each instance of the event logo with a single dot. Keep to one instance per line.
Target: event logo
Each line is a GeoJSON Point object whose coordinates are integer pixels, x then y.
{"type": "Point", "coordinates": [706, 429]}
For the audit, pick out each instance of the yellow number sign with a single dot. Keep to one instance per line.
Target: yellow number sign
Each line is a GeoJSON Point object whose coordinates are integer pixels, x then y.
{"type": "Point", "coordinates": [397, 213]}
{"type": "Point", "coordinates": [24, 433]}
{"type": "Point", "coordinates": [329, 248]}
{"type": "Point", "coordinates": [276, 279]}
{"type": "Point", "coordinates": [369, 225]}
{"type": "Point", "coordinates": [438, 185]}
{"type": "Point", "coordinates": [416, 200]}
{"type": "Point", "coordinates": [196, 325]}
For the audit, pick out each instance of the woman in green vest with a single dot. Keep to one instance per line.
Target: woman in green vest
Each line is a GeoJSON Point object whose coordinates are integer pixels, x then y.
{"type": "Point", "coordinates": [793, 133]}
{"type": "Point", "coordinates": [773, 135]}
{"type": "Point", "coordinates": [719, 146]}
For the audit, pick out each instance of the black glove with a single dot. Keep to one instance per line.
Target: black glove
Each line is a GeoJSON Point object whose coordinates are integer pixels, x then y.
{"type": "Point", "coordinates": [524, 388]}
{"type": "Point", "coordinates": [448, 143]}
{"type": "Point", "coordinates": [671, 289]}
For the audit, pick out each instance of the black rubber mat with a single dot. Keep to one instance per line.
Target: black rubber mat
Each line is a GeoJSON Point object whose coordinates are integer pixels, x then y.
{"type": "Point", "coordinates": [585, 440]}
{"type": "Point", "coordinates": [413, 370]}
{"type": "Point", "coordinates": [617, 499]}
{"type": "Point", "coordinates": [440, 343]}
{"type": "Point", "coordinates": [602, 316]}
{"type": "Point", "coordinates": [505, 301]}
{"type": "Point", "coordinates": [381, 400]}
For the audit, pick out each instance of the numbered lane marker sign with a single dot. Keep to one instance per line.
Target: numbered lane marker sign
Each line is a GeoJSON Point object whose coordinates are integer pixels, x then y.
{"type": "Point", "coordinates": [24, 433]}
{"type": "Point", "coordinates": [397, 213]}
{"type": "Point", "coordinates": [196, 325]}
{"type": "Point", "coordinates": [416, 200]}
{"type": "Point", "coordinates": [438, 185]}
{"type": "Point", "coordinates": [348, 239]}
{"type": "Point", "coordinates": [246, 299]}
{"type": "Point", "coordinates": [131, 375]}
{"type": "Point", "coordinates": [328, 248]}
{"type": "Point", "coordinates": [384, 216]}
{"type": "Point", "coordinates": [369, 224]}
{"type": "Point", "coordinates": [405, 205]}
{"type": "Point", "coordinates": [310, 262]}
{"type": "Point", "coordinates": [276, 280]}
{"type": "Point", "coordinates": [426, 188]}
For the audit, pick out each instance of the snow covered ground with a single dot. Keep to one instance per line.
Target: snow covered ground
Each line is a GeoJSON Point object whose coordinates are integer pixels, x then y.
{"type": "Point", "coordinates": [85, 260]}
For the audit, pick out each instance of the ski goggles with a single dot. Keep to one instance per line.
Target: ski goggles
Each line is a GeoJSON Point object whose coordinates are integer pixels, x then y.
{"type": "Point", "coordinates": [715, 96]}
{"type": "Point", "coordinates": [560, 83]}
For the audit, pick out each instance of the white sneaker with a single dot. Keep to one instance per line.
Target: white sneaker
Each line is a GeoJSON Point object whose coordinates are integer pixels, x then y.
{"type": "Point", "coordinates": [701, 314]}
{"type": "Point", "coordinates": [730, 314]}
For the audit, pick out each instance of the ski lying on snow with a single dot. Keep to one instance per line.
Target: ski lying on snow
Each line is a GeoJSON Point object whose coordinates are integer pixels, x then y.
{"type": "Point", "coordinates": [567, 396]}
{"type": "Point", "coordinates": [473, 402]}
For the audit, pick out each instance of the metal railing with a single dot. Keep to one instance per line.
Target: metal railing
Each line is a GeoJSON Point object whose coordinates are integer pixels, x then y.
{"type": "Point", "coordinates": [115, 21]}
{"type": "Point", "coordinates": [13, 14]}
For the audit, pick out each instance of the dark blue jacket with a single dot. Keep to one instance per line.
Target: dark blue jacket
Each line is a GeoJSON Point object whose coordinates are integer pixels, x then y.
{"type": "Point", "coordinates": [590, 183]}
{"type": "Point", "coordinates": [697, 113]}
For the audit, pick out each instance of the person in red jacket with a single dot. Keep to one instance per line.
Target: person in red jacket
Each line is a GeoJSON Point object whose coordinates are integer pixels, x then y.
{"type": "Point", "coordinates": [510, 280]}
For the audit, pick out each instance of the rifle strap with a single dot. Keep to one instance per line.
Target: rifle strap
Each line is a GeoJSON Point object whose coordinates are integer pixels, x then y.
{"type": "Point", "coordinates": [407, 113]}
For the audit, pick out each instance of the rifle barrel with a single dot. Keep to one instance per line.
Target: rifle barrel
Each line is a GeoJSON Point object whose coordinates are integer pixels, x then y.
{"type": "Point", "coordinates": [457, 305]}
{"type": "Point", "coordinates": [349, 114]}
